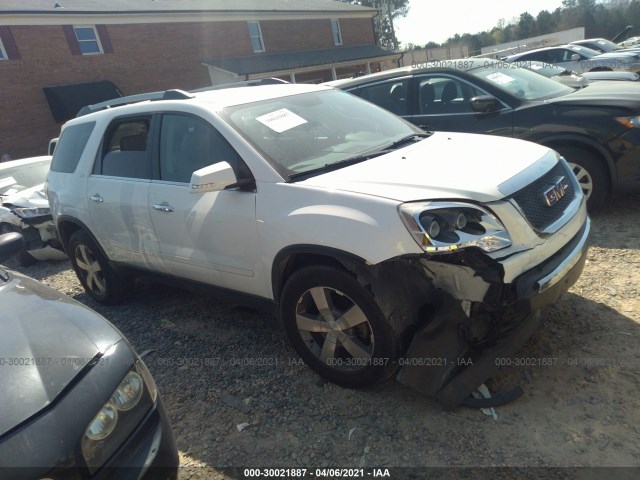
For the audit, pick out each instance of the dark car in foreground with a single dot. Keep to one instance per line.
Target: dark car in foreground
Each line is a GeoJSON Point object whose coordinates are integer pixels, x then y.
{"type": "Point", "coordinates": [596, 128]}
{"type": "Point", "coordinates": [76, 401]}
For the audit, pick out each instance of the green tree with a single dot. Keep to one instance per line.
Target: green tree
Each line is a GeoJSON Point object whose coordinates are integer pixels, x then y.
{"type": "Point", "coordinates": [546, 22]}
{"type": "Point", "coordinates": [389, 11]}
{"type": "Point", "coordinates": [527, 26]}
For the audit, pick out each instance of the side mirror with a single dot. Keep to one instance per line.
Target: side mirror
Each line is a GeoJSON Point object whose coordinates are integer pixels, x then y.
{"type": "Point", "coordinates": [10, 245]}
{"type": "Point", "coordinates": [52, 146]}
{"type": "Point", "coordinates": [213, 178]}
{"type": "Point", "coordinates": [484, 104]}
{"type": "Point", "coordinates": [575, 57]}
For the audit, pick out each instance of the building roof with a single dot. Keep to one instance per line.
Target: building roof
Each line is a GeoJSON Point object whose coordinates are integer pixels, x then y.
{"type": "Point", "coordinates": [277, 62]}
{"type": "Point", "coordinates": [40, 7]}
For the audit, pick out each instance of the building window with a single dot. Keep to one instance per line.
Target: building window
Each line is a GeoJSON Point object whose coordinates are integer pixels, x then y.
{"type": "Point", "coordinates": [88, 40]}
{"type": "Point", "coordinates": [256, 37]}
{"type": "Point", "coordinates": [337, 34]}
{"type": "Point", "coordinates": [3, 52]}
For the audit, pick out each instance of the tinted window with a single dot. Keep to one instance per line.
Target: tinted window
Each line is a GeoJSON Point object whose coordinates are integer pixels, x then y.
{"type": "Point", "coordinates": [392, 96]}
{"type": "Point", "coordinates": [188, 144]}
{"type": "Point", "coordinates": [70, 147]}
{"type": "Point", "coordinates": [439, 94]}
{"type": "Point", "coordinates": [125, 149]}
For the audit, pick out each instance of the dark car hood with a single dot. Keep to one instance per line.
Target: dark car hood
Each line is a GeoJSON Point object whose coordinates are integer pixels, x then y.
{"type": "Point", "coordinates": [46, 339]}
{"type": "Point", "coordinates": [624, 95]}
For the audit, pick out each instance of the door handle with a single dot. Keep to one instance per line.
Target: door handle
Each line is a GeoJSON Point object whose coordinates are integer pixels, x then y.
{"type": "Point", "coordinates": [96, 198]}
{"type": "Point", "coordinates": [163, 207]}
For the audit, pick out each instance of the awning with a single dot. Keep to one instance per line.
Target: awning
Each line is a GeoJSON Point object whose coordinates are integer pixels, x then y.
{"type": "Point", "coordinates": [292, 61]}
{"type": "Point", "coordinates": [66, 100]}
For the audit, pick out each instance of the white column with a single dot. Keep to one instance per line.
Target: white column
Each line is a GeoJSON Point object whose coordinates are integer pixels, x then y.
{"type": "Point", "coordinates": [292, 77]}
{"type": "Point", "coordinates": [368, 68]}
{"type": "Point", "coordinates": [333, 73]}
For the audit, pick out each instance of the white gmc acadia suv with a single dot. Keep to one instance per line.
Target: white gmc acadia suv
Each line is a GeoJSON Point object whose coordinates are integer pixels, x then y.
{"type": "Point", "coordinates": [385, 249]}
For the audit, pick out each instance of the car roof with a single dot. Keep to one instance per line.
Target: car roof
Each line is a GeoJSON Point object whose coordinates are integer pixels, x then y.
{"type": "Point", "coordinates": [575, 48]}
{"type": "Point", "coordinates": [214, 99]}
{"type": "Point", "coordinates": [24, 161]}
{"type": "Point", "coordinates": [436, 65]}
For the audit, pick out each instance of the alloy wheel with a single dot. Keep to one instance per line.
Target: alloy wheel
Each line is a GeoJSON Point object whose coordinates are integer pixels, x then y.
{"type": "Point", "coordinates": [335, 329]}
{"type": "Point", "coordinates": [90, 269]}
{"type": "Point", "coordinates": [584, 179]}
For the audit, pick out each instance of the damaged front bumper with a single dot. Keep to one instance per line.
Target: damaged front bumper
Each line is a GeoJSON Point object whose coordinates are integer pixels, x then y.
{"type": "Point", "coordinates": [483, 319]}
{"type": "Point", "coordinates": [40, 235]}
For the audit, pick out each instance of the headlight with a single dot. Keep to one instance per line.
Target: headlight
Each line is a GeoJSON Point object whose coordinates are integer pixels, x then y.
{"type": "Point", "coordinates": [446, 227]}
{"type": "Point", "coordinates": [119, 416]}
{"type": "Point", "coordinates": [629, 122]}
{"type": "Point", "coordinates": [32, 212]}
{"type": "Point", "coordinates": [128, 393]}
{"type": "Point", "coordinates": [104, 423]}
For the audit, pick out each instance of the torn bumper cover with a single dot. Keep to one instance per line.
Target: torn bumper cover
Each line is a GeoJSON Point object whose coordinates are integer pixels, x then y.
{"type": "Point", "coordinates": [460, 347]}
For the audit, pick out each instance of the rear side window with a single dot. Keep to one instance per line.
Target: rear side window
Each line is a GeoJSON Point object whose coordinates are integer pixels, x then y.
{"type": "Point", "coordinates": [125, 151]}
{"type": "Point", "coordinates": [391, 95]}
{"type": "Point", "coordinates": [70, 147]}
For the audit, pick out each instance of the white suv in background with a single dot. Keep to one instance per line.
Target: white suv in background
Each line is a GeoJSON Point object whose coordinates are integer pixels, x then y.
{"type": "Point", "coordinates": [383, 248]}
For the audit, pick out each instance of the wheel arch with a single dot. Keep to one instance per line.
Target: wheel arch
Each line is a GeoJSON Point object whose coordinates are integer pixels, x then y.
{"type": "Point", "coordinates": [577, 141]}
{"type": "Point", "coordinates": [294, 257]}
{"type": "Point", "coordinates": [67, 226]}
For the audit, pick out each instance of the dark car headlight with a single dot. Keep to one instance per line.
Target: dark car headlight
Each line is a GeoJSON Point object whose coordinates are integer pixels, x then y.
{"type": "Point", "coordinates": [119, 416]}
{"type": "Point", "coordinates": [441, 227]}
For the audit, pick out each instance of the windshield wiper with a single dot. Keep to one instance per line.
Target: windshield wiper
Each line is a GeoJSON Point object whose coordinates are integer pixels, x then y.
{"type": "Point", "coordinates": [409, 138]}
{"type": "Point", "coordinates": [329, 167]}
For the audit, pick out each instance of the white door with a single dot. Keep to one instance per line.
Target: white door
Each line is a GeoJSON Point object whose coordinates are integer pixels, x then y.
{"type": "Point", "coordinates": [118, 193]}
{"type": "Point", "coordinates": [208, 237]}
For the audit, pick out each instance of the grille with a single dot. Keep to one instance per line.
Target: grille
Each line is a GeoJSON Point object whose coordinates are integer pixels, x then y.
{"type": "Point", "coordinates": [531, 199]}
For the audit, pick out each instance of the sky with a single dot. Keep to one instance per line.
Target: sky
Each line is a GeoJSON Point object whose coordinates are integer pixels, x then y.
{"type": "Point", "coordinates": [429, 20]}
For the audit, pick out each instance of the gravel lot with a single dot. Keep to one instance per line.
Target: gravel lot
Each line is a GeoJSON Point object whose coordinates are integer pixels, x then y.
{"type": "Point", "coordinates": [220, 365]}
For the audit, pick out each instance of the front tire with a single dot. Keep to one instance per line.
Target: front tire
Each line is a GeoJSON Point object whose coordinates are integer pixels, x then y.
{"type": "Point", "coordinates": [99, 280]}
{"type": "Point", "coordinates": [591, 173]}
{"type": "Point", "coordinates": [337, 328]}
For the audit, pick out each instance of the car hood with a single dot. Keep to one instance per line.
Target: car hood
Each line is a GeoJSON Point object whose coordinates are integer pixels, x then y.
{"type": "Point", "coordinates": [28, 198]}
{"type": "Point", "coordinates": [483, 168]}
{"type": "Point", "coordinates": [47, 339]}
{"type": "Point", "coordinates": [624, 95]}
{"type": "Point", "coordinates": [617, 54]}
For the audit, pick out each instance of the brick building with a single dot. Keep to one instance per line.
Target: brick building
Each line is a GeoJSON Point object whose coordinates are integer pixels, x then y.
{"type": "Point", "coordinates": [57, 55]}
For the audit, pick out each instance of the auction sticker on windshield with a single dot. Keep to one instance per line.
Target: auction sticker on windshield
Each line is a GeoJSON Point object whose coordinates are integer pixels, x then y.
{"type": "Point", "coordinates": [281, 120]}
{"type": "Point", "coordinates": [5, 182]}
{"type": "Point", "coordinates": [500, 78]}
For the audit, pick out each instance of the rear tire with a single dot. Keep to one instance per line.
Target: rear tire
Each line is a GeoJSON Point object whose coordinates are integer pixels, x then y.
{"type": "Point", "coordinates": [337, 328]}
{"type": "Point", "coordinates": [591, 172]}
{"type": "Point", "coordinates": [99, 280]}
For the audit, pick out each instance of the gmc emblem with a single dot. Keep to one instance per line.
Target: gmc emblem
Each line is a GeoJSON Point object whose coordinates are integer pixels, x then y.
{"type": "Point", "coordinates": [555, 191]}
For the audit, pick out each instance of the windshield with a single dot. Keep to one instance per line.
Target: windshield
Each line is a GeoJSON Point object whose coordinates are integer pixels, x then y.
{"type": "Point", "coordinates": [584, 51]}
{"type": "Point", "coordinates": [520, 82]}
{"type": "Point", "coordinates": [305, 132]}
{"type": "Point", "coordinates": [606, 45]}
{"type": "Point", "coordinates": [546, 69]}
{"type": "Point", "coordinates": [15, 179]}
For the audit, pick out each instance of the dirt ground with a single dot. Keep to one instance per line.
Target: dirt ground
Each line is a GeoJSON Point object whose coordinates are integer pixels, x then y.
{"type": "Point", "coordinates": [219, 366]}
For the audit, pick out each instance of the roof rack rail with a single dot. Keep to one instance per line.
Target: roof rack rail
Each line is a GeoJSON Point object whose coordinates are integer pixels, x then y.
{"type": "Point", "coordinates": [245, 83]}
{"type": "Point", "coordinates": [163, 95]}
